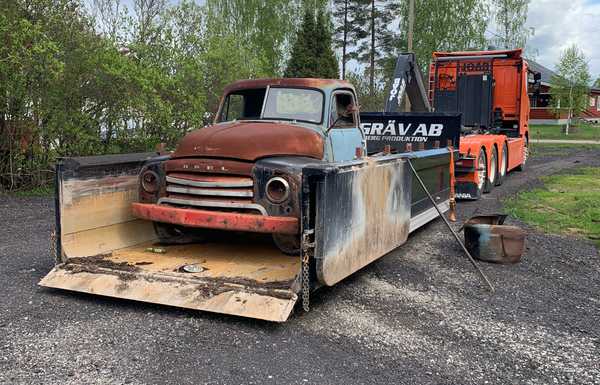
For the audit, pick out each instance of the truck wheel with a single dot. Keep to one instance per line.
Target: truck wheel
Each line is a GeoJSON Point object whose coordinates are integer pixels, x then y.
{"type": "Point", "coordinates": [521, 167]}
{"type": "Point", "coordinates": [481, 172]}
{"type": "Point", "coordinates": [288, 244]}
{"type": "Point", "coordinates": [176, 235]}
{"type": "Point", "coordinates": [492, 172]}
{"type": "Point", "coordinates": [503, 166]}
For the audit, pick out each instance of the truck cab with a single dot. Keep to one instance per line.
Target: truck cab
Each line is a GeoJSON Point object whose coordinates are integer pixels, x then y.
{"type": "Point", "coordinates": [489, 89]}
{"type": "Point", "coordinates": [243, 172]}
{"type": "Point", "coordinates": [328, 107]}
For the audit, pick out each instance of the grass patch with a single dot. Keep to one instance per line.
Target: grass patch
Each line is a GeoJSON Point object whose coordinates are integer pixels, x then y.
{"type": "Point", "coordinates": [43, 191]}
{"type": "Point", "coordinates": [567, 204]}
{"type": "Point", "coordinates": [582, 131]}
{"type": "Point", "coordinates": [557, 149]}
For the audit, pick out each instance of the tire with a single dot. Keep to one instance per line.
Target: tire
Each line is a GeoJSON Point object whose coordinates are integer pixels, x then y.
{"type": "Point", "coordinates": [287, 244]}
{"type": "Point", "coordinates": [502, 169]}
{"type": "Point", "coordinates": [492, 171]}
{"type": "Point", "coordinates": [521, 167]}
{"type": "Point", "coordinates": [481, 171]}
{"type": "Point", "coordinates": [176, 235]}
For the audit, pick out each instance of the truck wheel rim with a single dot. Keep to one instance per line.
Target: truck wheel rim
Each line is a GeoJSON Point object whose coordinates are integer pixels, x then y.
{"type": "Point", "coordinates": [525, 152]}
{"type": "Point", "coordinates": [493, 166]}
{"type": "Point", "coordinates": [503, 163]}
{"type": "Point", "coordinates": [481, 172]}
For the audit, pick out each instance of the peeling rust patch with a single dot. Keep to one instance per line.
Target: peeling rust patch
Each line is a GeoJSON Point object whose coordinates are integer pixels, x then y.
{"type": "Point", "coordinates": [364, 213]}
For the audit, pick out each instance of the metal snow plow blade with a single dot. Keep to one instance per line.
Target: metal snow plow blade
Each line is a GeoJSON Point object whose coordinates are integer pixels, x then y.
{"type": "Point", "coordinates": [102, 249]}
{"type": "Point", "coordinates": [203, 277]}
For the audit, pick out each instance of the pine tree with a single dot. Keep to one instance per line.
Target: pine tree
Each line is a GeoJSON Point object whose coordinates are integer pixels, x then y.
{"type": "Point", "coordinates": [302, 62]}
{"type": "Point", "coordinates": [348, 16]}
{"type": "Point", "coordinates": [327, 62]}
{"type": "Point", "coordinates": [312, 55]}
{"type": "Point", "coordinates": [375, 18]}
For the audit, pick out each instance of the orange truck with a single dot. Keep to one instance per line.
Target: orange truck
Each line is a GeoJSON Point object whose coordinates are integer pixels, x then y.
{"type": "Point", "coordinates": [489, 90]}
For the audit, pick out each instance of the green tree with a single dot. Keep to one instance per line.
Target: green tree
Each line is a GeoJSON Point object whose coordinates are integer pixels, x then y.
{"type": "Point", "coordinates": [569, 87]}
{"type": "Point", "coordinates": [510, 17]}
{"type": "Point", "coordinates": [262, 28]}
{"type": "Point", "coordinates": [29, 68]}
{"type": "Point", "coordinates": [368, 100]}
{"type": "Point", "coordinates": [348, 16]}
{"type": "Point", "coordinates": [597, 82]}
{"type": "Point", "coordinates": [312, 54]}
{"type": "Point", "coordinates": [326, 59]}
{"type": "Point", "coordinates": [442, 25]}
{"type": "Point", "coordinates": [302, 62]}
{"type": "Point", "coordinates": [376, 19]}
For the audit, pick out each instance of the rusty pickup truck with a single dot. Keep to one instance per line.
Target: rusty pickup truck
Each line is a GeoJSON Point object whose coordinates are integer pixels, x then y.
{"type": "Point", "coordinates": [277, 197]}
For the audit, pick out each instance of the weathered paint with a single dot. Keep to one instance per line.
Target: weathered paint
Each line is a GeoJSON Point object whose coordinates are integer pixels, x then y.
{"type": "Point", "coordinates": [219, 297]}
{"type": "Point", "coordinates": [215, 166]}
{"type": "Point", "coordinates": [252, 279]}
{"type": "Point", "coordinates": [251, 140]}
{"type": "Point", "coordinates": [102, 250]}
{"type": "Point", "coordinates": [363, 212]}
{"type": "Point", "coordinates": [488, 239]}
{"type": "Point", "coordinates": [328, 84]}
{"type": "Point", "coordinates": [221, 220]}
{"type": "Point", "coordinates": [94, 209]}
{"type": "Point", "coordinates": [344, 142]}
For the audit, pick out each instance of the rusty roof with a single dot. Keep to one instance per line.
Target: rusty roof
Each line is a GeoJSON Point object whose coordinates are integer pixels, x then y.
{"type": "Point", "coordinates": [288, 82]}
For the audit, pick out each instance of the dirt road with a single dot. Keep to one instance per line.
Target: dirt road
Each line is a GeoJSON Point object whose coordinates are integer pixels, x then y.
{"type": "Point", "coordinates": [417, 316]}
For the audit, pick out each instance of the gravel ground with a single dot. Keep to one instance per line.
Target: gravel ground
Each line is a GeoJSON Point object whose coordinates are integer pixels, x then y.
{"type": "Point", "coordinates": [419, 315]}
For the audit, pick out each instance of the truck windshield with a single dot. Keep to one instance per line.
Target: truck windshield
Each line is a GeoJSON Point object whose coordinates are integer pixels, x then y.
{"type": "Point", "coordinates": [294, 104]}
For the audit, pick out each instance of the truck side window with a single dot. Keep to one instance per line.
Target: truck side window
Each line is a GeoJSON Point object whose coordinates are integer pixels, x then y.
{"type": "Point", "coordinates": [242, 105]}
{"type": "Point", "coordinates": [343, 111]}
{"type": "Point", "coordinates": [234, 107]}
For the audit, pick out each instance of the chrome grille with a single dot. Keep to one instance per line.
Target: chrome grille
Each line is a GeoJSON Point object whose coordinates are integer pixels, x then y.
{"type": "Point", "coordinates": [211, 191]}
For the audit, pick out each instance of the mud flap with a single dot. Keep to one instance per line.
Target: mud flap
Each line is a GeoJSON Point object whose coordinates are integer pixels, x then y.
{"type": "Point", "coordinates": [102, 249]}
{"type": "Point", "coordinates": [363, 211]}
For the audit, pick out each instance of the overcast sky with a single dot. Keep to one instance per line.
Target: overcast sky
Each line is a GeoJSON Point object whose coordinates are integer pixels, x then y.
{"type": "Point", "coordinates": [557, 25]}
{"type": "Point", "coordinates": [560, 23]}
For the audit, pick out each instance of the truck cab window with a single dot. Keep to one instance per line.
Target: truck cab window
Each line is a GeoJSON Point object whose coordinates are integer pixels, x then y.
{"type": "Point", "coordinates": [242, 105]}
{"type": "Point", "coordinates": [343, 111]}
{"type": "Point", "coordinates": [300, 104]}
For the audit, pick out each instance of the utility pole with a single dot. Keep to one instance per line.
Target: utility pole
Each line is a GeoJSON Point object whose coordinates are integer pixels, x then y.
{"type": "Point", "coordinates": [372, 74]}
{"type": "Point", "coordinates": [345, 39]}
{"type": "Point", "coordinates": [411, 24]}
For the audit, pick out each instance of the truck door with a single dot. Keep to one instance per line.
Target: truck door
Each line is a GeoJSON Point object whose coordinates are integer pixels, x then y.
{"type": "Point", "coordinates": [344, 134]}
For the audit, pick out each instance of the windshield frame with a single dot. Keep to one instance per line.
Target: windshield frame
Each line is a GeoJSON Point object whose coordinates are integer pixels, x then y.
{"type": "Point", "coordinates": [269, 88]}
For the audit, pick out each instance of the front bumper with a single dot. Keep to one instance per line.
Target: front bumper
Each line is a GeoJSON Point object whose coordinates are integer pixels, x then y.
{"type": "Point", "coordinates": [215, 219]}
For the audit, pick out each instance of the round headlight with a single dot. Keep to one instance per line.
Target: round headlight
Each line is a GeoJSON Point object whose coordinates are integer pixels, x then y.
{"type": "Point", "coordinates": [277, 189]}
{"type": "Point", "coordinates": [150, 181]}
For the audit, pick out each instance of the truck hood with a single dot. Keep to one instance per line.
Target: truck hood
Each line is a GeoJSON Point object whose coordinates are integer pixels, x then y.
{"type": "Point", "coordinates": [251, 140]}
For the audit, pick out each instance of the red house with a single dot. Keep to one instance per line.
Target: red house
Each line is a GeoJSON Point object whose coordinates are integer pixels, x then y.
{"type": "Point", "coordinates": [541, 110]}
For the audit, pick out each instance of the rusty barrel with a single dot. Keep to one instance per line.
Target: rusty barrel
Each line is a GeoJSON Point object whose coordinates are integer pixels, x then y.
{"type": "Point", "coordinates": [488, 239]}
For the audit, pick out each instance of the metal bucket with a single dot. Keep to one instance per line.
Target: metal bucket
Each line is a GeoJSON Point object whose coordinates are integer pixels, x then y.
{"type": "Point", "coordinates": [488, 239]}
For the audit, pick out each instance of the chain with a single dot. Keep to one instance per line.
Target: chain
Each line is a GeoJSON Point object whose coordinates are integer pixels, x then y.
{"type": "Point", "coordinates": [307, 247]}
{"type": "Point", "coordinates": [53, 245]}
